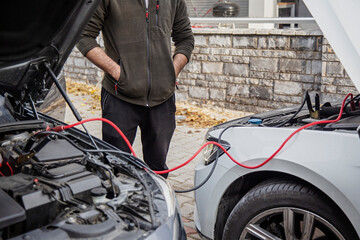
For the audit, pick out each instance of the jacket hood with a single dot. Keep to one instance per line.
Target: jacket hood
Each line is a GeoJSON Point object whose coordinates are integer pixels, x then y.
{"type": "Point", "coordinates": [338, 20]}
{"type": "Point", "coordinates": [33, 33]}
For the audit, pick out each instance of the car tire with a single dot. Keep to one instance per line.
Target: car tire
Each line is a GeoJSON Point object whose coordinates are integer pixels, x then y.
{"type": "Point", "coordinates": [271, 207]}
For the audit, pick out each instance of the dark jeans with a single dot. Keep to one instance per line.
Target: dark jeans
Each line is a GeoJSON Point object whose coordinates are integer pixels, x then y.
{"type": "Point", "coordinates": [157, 126]}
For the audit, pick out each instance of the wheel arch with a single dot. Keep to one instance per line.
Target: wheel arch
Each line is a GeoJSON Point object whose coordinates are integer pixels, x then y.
{"type": "Point", "coordinates": [245, 183]}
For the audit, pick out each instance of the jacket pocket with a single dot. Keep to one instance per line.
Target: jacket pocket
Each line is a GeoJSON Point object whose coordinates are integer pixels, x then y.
{"type": "Point", "coordinates": [121, 81]}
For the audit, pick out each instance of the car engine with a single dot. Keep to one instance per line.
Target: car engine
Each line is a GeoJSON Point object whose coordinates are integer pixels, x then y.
{"type": "Point", "coordinates": [306, 114]}
{"type": "Point", "coordinates": [50, 182]}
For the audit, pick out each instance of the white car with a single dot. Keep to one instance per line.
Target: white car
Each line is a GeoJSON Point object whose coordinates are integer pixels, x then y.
{"type": "Point", "coordinates": [309, 189]}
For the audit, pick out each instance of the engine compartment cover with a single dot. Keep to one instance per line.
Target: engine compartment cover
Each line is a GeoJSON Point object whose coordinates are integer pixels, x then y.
{"type": "Point", "coordinates": [10, 211]}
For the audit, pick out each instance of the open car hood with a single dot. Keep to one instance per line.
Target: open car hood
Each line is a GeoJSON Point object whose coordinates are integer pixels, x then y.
{"type": "Point", "coordinates": [338, 20]}
{"type": "Point", "coordinates": [35, 33]}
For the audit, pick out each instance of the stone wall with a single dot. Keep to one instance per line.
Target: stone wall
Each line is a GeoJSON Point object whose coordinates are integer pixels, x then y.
{"type": "Point", "coordinates": [250, 70]}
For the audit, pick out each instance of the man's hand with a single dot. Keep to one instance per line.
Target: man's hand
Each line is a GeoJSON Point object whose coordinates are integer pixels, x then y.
{"type": "Point", "coordinates": [103, 61]}
{"type": "Point", "coordinates": [179, 61]}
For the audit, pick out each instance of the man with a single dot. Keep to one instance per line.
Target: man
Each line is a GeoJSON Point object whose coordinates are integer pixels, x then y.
{"type": "Point", "coordinates": [140, 72]}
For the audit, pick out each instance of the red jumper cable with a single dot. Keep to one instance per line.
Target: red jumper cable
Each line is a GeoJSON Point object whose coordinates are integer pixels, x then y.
{"type": "Point", "coordinates": [61, 128]}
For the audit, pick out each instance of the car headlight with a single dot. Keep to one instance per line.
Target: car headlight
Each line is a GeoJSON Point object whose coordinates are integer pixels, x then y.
{"type": "Point", "coordinates": [209, 152]}
{"type": "Point", "coordinates": [168, 193]}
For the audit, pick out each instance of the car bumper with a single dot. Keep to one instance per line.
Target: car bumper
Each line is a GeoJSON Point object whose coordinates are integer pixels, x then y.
{"type": "Point", "coordinates": [171, 229]}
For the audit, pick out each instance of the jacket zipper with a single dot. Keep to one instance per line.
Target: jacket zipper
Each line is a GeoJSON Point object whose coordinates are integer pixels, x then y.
{"type": "Point", "coordinates": [157, 12]}
{"type": "Point", "coordinates": [148, 53]}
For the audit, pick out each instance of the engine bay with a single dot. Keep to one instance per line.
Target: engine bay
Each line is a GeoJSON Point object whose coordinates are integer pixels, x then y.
{"type": "Point", "coordinates": [51, 181]}
{"type": "Point", "coordinates": [307, 113]}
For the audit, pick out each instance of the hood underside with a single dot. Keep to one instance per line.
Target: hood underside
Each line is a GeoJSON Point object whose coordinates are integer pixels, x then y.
{"type": "Point", "coordinates": [338, 20]}
{"type": "Point", "coordinates": [35, 32]}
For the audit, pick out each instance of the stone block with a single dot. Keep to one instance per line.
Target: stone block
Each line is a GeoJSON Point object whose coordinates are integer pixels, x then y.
{"type": "Point", "coordinates": [302, 78]}
{"type": "Point", "coordinates": [308, 86]}
{"type": "Point", "coordinates": [326, 97]}
{"type": "Point", "coordinates": [91, 78]}
{"type": "Point", "coordinates": [239, 80]}
{"type": "Point", "coordinates": [220, 41]}
{"type": "Point", "coordinates": [245, 42]}
{"type": "Point", "coordinates": [238, 70]}
{"type": "Point", "coordinates": [263, 103]}
{"type": "Point", "coordinates": [316, 67]}
{"type": "Point", "coordinates": [260, 92]}
{"type": "Point", "coordinates": [218, 85]}
{"type": "Point", "coordinates": [253, 53]}
{"type": "Point", "coordinates": [193, 67]}
{"type": "Point", "coordinates": [241, 59]}
{"type": "Point", "coordinates": [69, 61]}
{"type": "Point", "coordinates": [196, 76]}
{"type": "Point", "coordinates": [204, 50]}
{"type": "Point", "coordinates": [201, 83]}
{"type": "Point", "coordinates": [317, 79]}
{"type": "Point", "coordinates": [252, 81]}
{"type": "Point", "coordinates": [303, 43]}
{"type": "Point", "coordinates": [330, 57]}
{"type": "Point", "coordinates": [287, 88]}
{"type": "Point", "coordinates": [214, 58]}
{"type": "Point", "coordinates": [285, 76]}
{"type": "Point", "coordinates": [309, 55]}
{"type": "Point", "coordinates": [345, 90]}
{"type": "Point", "coordinates": [281, 98]}
{"type": "Point", "coordinates": [200, 41]}
{"type": "Point", "coordinates": [220, 51]}
{"type": "Point", "coordinates": [264, 64]}
{"type": "Point", "coordinates": [90, 71]}
{"type": "Point", "coordinates": [212, 67]}
{"type": "Point", "coordinates": [328, 89]}
{"type": "Point", "coordinates": [196, 50]}
{"type": "Point", "coordinates": [238, 90]}
{"type": "Point", "coordinates": [326, 48]}
{"type": "Point", "coordinates": [199, 92]}
{"type": "Point", "coordinates": [262, 43]}
{"type": "Point", "coordinates": [278, 42]}
{"type": "Point", "coordinates": [292, 65]}
{"type": "Point", "coordinates": [334, 69]}
{"type": "Point", "coordinates": [189, 82]}
{"type": "Point", "coordinates": [308, 67]}
{"type": "Point", "coordinates": [79, 62]}
{"type": "Point", "coordinates": [343, 82]}
{"type": "Point", "coordinates": [216, 103]}
{"type": "Point", "coordinates": [218, 78]}
{"type": "Point", "coordinates": [264, 75]}
{"type": "Point", "coordinates": [327, 80]}
{"type": "Point", "coordinates": [325, 41]}
{"type": "Point", "coordinates": [236, 52]}
{"type": "Point", "coordinates": [248, 101]}
{"type": "Point", "coordinates": [265, 82]}
{"type": "Point", "coordinates": [217, 94]}
{"type": "Point", "coordinates": [279, 54]}
{"type": "Point", "coordinates": [199, 57]}
{"type": "Point", "coordinates": [227, 59]}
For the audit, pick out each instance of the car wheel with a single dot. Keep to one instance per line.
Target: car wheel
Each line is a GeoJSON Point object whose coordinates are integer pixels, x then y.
{"type": "Point", "coordinates": [286, 210]}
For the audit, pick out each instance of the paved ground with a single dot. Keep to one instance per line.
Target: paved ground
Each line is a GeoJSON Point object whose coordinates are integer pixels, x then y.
{"type": "Point", "coordinates": [185, 143]}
